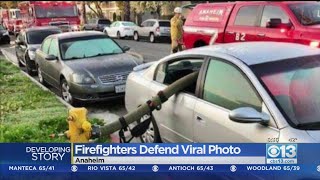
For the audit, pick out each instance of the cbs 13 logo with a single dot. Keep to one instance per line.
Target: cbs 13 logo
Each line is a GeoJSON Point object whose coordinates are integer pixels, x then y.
{"type": "Point", "coordinates": [281, 151]}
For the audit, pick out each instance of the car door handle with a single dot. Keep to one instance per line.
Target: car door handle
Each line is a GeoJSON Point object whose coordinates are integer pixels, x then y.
{"type": "Point", "coordinates": [261, 35]}
{"type": "Point", "coordinates": [230, 32]}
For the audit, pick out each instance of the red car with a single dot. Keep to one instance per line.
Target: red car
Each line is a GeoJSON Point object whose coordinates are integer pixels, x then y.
{"type": "Point", "coordinates": [297, 22]}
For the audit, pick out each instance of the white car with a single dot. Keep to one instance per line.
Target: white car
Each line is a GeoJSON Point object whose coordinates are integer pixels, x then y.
{"type": "Point", "coordinates": [120, 29]}
{"type": "Point", "coordinates": [246, 92]}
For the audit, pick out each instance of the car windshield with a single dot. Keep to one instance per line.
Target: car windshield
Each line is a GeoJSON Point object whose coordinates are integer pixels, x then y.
{"type": "Point", "coordinates": [104, 21]}
{"type": "Point", "coordinates": [15, 14]}
{"type": "Point", "coordinates": [56, 11]}
{"type": "Point", "coordinates": [164, 23]}
{"type": "Point", "coordinates": [128, 24]}
{"type": "Point", "coordinates": [93, 46]}
{"type": "Point", "coordinates": [306, 13]}
{"type": "Point", "coordinates": [36, 37]}
{"type": "Point", "coordinates": [294, 86]}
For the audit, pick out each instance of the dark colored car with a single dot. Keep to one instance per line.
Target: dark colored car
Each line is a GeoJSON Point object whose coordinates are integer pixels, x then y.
{"type": "Point", "coordinates": [84, 66]}
{"type": "Point", "coordinates": [97, 24]}
{"type": "Point", "coordinates": [4, 35]}
{"type": "Point", "coordinates": [28, 41]}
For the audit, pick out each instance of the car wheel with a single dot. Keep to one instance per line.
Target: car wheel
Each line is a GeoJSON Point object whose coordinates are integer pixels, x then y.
{"type": "Point", "coordinates": [19, 61]}
{"type": "Point", "coordinates": [65, 92]}
{"type": "Point", "coordinates": [29, 70]}
{"type": "Point", "coordinates": [152, 134]}
{"type": "Point", "coordinates": [40, 77]}
{"type": "Point", "coordinates": [8, 40]}
{"type": "Point", "coordinates": [151, 38]}
{"type": "Point", "coordinates": [118, 35]}
{"type": "Point", "coordinates": [136, 36]}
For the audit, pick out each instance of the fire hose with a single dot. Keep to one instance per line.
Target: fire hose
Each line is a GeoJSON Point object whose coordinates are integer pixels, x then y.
{"type": "Point", "coordinates": [80, 130]}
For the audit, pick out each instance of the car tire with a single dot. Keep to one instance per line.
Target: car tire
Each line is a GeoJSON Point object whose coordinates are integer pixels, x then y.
{"type": "Point", "coordinates": [7, 41]}
{"type": "Point", "coordinates": [65, 93]}
{"type": "Point", "coordinates": [152, 38]}
{"type": "Point", "coordinates": [105, 32]}
{"type": "Point", "coordinates": [40, 77]}
{"type": "Point", "coordinates": [136, 36]}
{"type": "Point", "coordinates": [19, 61]}
{"type": "Point", "coordinates": [28, 68]}
{"type": "Point", "coordinates": [152, 135]}
{"type": "Point", "coordinates": [118, 35]}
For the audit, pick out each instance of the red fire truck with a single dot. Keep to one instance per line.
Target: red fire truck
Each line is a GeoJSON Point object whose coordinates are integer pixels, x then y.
{"type": "Point", "coordinates": [11, 20]}
{"type": "Point", "coordinates": [282, 21]}
{"type": "Point", "coordinates": [64, 14]}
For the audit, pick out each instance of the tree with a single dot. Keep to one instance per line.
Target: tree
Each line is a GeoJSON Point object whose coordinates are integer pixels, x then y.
{"type": "Point", "coordinates": [124, 6]}
{"type": "Point", "coordinates": [97, 10]}
{"type": "Point", "coordinates": [9, 4]}
{"type": "Point", "coordinates": [127, 10]}
{"type": "Point", "coordinates": [158, 7]}
{"type": "Point", "coordinates": [83, 13]}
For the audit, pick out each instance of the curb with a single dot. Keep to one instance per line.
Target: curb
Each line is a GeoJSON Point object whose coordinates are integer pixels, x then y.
{"type": "Point", "coordinates": [36, 82]}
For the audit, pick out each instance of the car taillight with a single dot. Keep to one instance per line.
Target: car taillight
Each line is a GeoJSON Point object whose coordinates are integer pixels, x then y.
{"type": "Point", "coordinates": [314, 44]}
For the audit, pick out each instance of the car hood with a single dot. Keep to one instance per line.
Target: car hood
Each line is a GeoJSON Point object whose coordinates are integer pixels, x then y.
{"type": "Point", "coordinates": [98, 66]}
{"type": "Point", "coordinates": [315, 134]}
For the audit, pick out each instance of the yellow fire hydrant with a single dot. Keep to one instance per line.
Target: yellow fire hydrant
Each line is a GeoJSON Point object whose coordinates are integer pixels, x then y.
{"type": "Point", "coordinates": [79, 127]}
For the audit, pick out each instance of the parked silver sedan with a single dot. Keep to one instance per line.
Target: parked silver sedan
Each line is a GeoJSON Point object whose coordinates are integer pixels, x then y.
{"type": "Point", "coordinates": [153, 30]}
{"type": "Point", "coordinates": [85, 66]}
{"type": "Point", "coordinates": [246, 92]}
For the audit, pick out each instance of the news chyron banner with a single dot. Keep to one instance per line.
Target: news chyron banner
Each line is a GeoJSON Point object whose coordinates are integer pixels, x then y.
{"type": "Point", "coordinates": [301, 160]}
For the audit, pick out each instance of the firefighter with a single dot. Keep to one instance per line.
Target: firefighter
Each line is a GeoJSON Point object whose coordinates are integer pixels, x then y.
{"type": "Point", "coordinates": [176, 30]}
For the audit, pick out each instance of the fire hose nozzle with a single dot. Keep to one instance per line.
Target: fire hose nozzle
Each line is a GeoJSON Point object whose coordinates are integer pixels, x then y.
{"type": "Point", "coordinates": [79, 126]}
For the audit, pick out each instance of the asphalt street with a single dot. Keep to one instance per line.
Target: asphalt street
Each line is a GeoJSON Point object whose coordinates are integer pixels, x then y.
{"type": "Point", "coordinates": [109, 111]}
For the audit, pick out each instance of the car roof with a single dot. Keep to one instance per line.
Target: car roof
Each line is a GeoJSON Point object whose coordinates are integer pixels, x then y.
{"type": "Point", "coordinates": [157, 20]}
{"type": "Point", "coordinates": [41, 28]}
{"type": "Point", "coordinates": [77, 34]}
{"type": "Point", "coordinates": [124, 21]}
{"type": "Point", "coordinates": [252, 53]}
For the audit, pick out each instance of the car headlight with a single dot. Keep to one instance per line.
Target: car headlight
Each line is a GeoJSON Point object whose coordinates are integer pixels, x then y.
{"type": "Point", "coordinates": [32, 55]}
{"type": "Point", "coordinates": [82, 79]}
{"type": "Point", "coordinates": [6, 33]}
{"type": "Point", "coordinates": [315, 44]}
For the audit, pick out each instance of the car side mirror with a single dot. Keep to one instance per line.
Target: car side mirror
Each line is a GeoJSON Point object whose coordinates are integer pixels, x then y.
{"type": "Point", "coordinates": [274, 23]}
{"type": "Point", "coordinates": [125, 48]}
{"type": "Point", "coordinates": [248, 115]}
{"type": "Point", "coordinates": [51, 57]}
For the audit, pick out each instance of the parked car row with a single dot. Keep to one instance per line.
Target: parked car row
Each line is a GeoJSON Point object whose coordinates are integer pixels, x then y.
{"type": "Point", "coordinates": [152, 29]}
{"type": "Point", "coordinates": [83, 66]}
